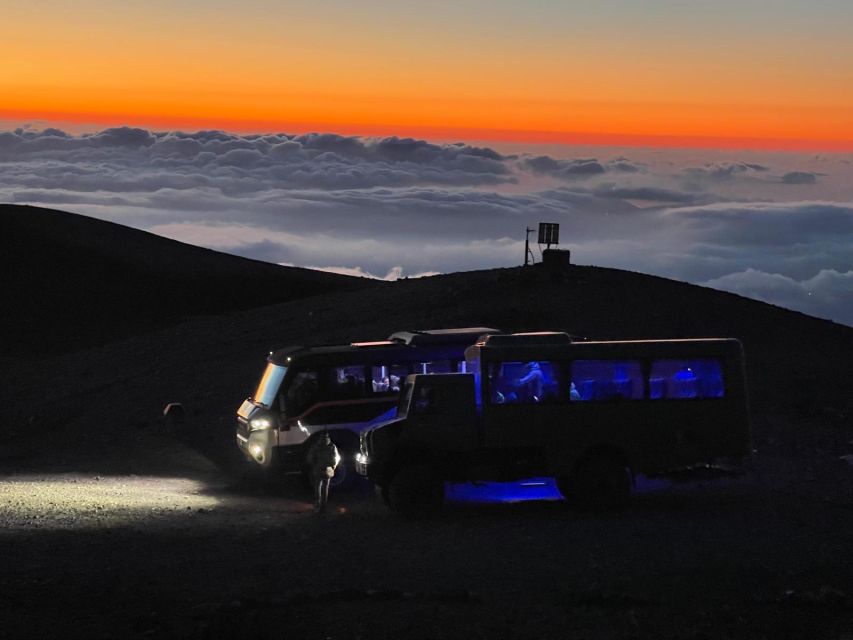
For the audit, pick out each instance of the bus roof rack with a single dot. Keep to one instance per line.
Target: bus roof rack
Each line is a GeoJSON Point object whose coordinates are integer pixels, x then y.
{"type": "Point", "coordinates": [440, 336]}
{"type": "Point", "coordinates": [524, 339]}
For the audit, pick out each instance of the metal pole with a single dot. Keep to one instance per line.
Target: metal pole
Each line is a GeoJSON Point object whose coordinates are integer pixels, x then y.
{"type": "Point", "coordinates": [527, 251]}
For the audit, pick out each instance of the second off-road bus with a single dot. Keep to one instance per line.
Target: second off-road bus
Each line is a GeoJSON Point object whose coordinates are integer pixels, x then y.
{"type": "Point", "coordinates": [589, 414]}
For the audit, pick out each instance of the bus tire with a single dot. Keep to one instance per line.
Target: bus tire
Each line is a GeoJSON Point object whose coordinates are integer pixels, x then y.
{"type": "Point", "coordinates": [414, 490]}
{"type": "Point", "coordinates": [601, 482]}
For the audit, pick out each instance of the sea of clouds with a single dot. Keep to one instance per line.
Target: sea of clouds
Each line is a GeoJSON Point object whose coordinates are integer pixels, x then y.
{"type": "Point", "coordinates": [776, 227]}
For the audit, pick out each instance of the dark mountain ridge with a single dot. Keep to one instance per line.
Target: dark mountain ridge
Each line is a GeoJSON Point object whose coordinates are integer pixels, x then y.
{"type": "Point", "coordinates": [71, 281]}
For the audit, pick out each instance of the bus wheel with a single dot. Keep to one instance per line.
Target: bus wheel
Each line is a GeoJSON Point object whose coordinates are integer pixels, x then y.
{"type": "Point", "coordinates": [601, 482]}
{"type": "Point", "coordinates": [415, 490]}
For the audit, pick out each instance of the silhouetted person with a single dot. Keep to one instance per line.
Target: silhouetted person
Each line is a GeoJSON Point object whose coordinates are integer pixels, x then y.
{"type": "Point", "coordinates": [323, 459]}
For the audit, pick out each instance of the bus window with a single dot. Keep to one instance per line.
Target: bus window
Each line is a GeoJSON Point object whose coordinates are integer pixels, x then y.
{"type": "Point", "coordinates": [302, 393]}
{"type": "Point", "coordinates": [605, 380]}
{"type": "Point", "coordinates": [347, 382]}
{"type": "Point", "coordinates": [388, 378]}
{"type": "Point", "coordinates": [529, 382]}
{"type": "Point", "coordinates": [682, 379]}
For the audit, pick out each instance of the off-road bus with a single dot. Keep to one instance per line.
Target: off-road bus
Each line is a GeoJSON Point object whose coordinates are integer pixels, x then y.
{"type": "Point", "coordinates": [589, 414]}
{"type": "Point", "coordinates": [340, 388]}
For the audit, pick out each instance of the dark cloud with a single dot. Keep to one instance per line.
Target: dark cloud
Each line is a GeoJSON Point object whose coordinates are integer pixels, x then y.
{"type": "Point", "coordinates": [725, 170]}
{"type": "Point", "coordinates": [546, 165]}
{"type": "Point", "coordinates": [577, 168]}
{"type": "Point", "coordinates": [767, 224]}
{"type": "Point", "coordinates": [653, 194]}
{"type": "Point", "coordinates": [122, 137]}
{"type": "Point", "coordinates": [69, 198]}
{"type": "Point", "coordinates": [625, 167]}
{"type": "Point", "coordinates": [799, 177]}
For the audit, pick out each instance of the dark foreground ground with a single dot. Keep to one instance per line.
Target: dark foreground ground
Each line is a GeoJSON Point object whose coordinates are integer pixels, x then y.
{"type": "Point", "coordinates": [114, 525]}
{"type": "Point", "coordinates": [764, 556]}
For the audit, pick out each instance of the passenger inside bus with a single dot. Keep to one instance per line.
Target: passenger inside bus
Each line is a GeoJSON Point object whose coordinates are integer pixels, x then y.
{"type": "Point", "coordinates": [531, 384]}
{"type": "Point", "coordinates": [528, 383]}
{"type": "Point", "coordinates": [386, 378]}
{"type": "Point", "coordinates": [574, 394]}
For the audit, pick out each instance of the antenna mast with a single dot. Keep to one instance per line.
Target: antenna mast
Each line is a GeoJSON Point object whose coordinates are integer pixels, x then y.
{"type": "Point", "coordinates": [528, 254]}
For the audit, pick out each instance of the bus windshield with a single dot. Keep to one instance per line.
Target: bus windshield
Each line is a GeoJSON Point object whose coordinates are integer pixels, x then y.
{"type": "Point", "coordinates": [269, 384]}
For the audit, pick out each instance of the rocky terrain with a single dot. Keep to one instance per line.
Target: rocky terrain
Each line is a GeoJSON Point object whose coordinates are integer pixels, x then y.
{"type": "Point", "coordinates": [115, 524]}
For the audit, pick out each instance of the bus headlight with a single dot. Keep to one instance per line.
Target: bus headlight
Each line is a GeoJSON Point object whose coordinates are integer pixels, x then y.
{"type": "Point", "coordinates": [258, 453]}
{"type": "Point", "coordinates": [259, 424]}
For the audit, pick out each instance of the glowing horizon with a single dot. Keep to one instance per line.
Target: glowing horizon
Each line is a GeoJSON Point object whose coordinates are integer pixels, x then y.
{"type": "Point", "coordinates": [724, 75]}
{"type": "Point", "coordinates": [91, 123]}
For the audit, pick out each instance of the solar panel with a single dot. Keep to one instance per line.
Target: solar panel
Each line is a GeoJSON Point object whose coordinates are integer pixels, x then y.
{"type": "Point", "coordinates": [549, 233]}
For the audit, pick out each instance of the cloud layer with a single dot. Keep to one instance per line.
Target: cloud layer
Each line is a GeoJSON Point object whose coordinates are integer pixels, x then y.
{"type": "Point", "coordinates": [392, 206]}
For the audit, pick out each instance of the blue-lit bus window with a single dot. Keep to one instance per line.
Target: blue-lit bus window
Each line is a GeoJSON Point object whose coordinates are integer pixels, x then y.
{"type": "Point", "coordinates": [530, 382]}
{"type": "Point", "coordinates": [605, 380]}
{"type": "Point", "coordinates": [684, 379]}
{"type": "Point", "coordinates": [388, 378]}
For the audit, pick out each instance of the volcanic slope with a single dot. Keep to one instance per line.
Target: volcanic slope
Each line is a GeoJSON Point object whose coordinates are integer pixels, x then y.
{"type": "Point", "coordinates": [71, 281]}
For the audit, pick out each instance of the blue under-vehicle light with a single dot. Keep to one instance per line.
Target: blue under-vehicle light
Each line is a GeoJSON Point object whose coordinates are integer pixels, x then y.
{"type": "Point", "coordinates": [501, 492]}
{"type": "Point", "coordinates": [529, 489]}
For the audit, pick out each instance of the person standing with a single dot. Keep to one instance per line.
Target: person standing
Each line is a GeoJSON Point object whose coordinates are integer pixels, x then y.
{"type": "Point", "coordinates": [323, 459]}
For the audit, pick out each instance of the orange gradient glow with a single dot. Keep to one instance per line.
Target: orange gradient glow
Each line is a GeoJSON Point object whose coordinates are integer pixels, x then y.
{"type": "Point", "coordinates": [263, 69]}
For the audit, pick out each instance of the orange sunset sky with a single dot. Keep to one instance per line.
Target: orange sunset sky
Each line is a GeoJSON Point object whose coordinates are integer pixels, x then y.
{"type": "Point", "coordinates": [722, 74]}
